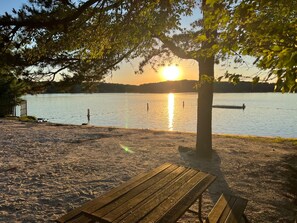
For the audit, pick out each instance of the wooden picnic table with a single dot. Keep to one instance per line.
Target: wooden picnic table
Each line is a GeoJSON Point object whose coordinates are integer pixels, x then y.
{"type": "Point", "coordinates": [163, 194]}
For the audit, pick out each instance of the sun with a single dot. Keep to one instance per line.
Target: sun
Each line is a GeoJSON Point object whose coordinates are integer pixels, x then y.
{"type": "Point", "coordinates": [171, 72]}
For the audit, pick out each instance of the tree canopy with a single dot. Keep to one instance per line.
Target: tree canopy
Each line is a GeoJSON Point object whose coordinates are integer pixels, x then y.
{"type": "Point", "coordinates": [267, 30]}
{"type": "Point", "coordinates": [84, 40]}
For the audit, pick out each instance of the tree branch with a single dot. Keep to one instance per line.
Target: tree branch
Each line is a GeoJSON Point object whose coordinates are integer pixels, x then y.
{"type": "Point", "coordinates": [120, 59]}
{"type": "Point", "coordinates": [174, 48]}
{"type": "Point", "coordinates": [57, 71]}
{"type": "Point", "coordinates": [50, 21]}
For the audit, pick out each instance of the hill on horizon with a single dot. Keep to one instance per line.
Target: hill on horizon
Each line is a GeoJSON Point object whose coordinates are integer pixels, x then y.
{"type": "Point", "coordinates": [160, 87]}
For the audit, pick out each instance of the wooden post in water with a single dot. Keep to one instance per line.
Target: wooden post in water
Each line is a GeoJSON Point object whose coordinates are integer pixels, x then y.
{"type": "Point", "coordinates": [147, 106]}
{"type": "Point", "coordinates": [88, 116]}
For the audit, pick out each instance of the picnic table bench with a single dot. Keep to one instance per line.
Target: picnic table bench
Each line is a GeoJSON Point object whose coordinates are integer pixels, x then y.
{"type": "Point", "coordinates": [228, 209]}
{"type": "Point", "coordinates": [161, 195]}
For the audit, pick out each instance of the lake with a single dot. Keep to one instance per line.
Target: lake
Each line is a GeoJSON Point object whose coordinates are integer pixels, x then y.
{"type": "Point", "coordinates": [266, 114]}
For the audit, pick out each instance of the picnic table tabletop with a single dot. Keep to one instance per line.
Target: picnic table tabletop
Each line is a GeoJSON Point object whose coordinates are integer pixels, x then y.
{"type": "Point", "coordinates": [160, 195]}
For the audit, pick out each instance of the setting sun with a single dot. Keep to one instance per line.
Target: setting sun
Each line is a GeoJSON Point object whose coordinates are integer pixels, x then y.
{"type": "Point", "coordinates": [171, 73]}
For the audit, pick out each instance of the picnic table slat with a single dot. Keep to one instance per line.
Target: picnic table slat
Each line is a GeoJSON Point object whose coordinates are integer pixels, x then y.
{"type": "Point", "coordinates": [81, 218]}
{"type": "Point", "coordinates": [134, 199]}
{"type": "Point", "coordinates": [155, 201]}
{"type": "Point", "coordinates": [236, 213]}
{"type": "Point", "coordinates": [111, 203]}
{"type": "Point", "coordinates": [133, 182]}
{"type": "Point", "coordinates": [150, 203]}
{"type": "Point", "coordinates": [182, 201]}
{"type": "Point", "coordinates": [214, 216]}
{"type": "Point", "coordinates": [227, 209]}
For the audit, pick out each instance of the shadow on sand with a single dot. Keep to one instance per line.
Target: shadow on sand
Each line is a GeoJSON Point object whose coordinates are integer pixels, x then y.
{"type": "Point", "coordinates": [212, 166]}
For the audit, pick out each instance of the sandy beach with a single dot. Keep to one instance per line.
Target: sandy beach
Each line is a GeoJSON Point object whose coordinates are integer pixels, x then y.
{"type": "Point", "coordinates": [48, 169]}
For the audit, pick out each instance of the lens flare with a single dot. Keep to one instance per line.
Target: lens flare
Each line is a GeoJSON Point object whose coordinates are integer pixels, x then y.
{"type": "Point", "coordinates": [126, 149]}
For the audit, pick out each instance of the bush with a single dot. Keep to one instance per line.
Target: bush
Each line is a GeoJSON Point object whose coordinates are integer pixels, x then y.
{"type": "Point", "coordinates": [11, 90]}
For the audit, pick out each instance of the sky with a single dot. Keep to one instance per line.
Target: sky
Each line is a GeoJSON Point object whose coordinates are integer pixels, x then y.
{"type": "Point", "coordinates": [126, 74]}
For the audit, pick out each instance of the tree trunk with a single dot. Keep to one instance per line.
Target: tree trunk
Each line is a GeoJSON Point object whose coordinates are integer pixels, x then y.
{"type": "Point", "coordinates": [204, 110]}
{"type": "Point", "coordinates": [6, 106]}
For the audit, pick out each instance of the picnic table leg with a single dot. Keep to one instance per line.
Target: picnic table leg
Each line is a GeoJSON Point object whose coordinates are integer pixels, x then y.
{"type": "Point", "coordinates": [199, 211]}
{"type": "Point", "coordinates": [200, 208]}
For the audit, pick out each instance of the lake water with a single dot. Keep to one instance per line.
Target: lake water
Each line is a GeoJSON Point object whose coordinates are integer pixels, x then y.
{"type": "Point", "coordinates": [266, 114]}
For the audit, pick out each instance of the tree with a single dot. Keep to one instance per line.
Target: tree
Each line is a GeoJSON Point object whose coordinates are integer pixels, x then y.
{"type": "Point", "coordinates": [263, 29]}
{"type": "Point", "coordinates": [11, 89]}
{"type": "Point", "coordinates": [202, 43]}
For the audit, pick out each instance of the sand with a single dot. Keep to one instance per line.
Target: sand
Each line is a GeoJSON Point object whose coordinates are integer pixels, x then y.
{"type": "Point", "coordinates": [48, 169]}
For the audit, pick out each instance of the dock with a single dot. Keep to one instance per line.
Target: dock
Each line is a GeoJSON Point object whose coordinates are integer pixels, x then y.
{"type": "Point", "coordinates": [230, 106]}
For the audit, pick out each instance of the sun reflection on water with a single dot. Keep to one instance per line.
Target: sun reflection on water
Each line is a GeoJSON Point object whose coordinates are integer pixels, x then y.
{"type": "Point", "coordinates": [170, 111]}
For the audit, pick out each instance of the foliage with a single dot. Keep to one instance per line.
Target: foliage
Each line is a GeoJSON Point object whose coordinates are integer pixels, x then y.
{"type": "Point", "coordinates": [267, 30]}
{"type": "Point", "coordinates": [86, 40]}
{"type": "Point", "coordinates": [11, 88]}
{"type": "Point", "coordinates": [81, 41]}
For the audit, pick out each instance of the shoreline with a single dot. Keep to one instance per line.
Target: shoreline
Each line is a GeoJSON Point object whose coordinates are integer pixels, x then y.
{"type": "Point", "coordinates": [176, 131]}
{"type": "Point", "coordinates": [157, 130]}
{"type": "Point", "coordinates": [47, 169]}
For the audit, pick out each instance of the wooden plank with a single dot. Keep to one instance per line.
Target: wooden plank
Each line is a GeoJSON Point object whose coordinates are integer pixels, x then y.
{"type": "Point", "coordinates": [81, 219]}
{"type": "Point", "coordinates": [110, 203]}
{"type": "Point", "coordinates": [177, 204]}
{"type": "Point", "coordinates": [141, 210]}
{"type": "Point", "coordinates": [137, 196]}
{"type": "Point", "coordinates": [156, 201]}
{"type": "Point", "coordinates": [102, 210]}
{"type": "Point", "coordinates": [227, 209]}
{"type": "Point", "coordinates": [135, 181]}
{"type": "Point", "coordinates": [218, 209]}
{"type": "Point", "coordinates": [237, 211]}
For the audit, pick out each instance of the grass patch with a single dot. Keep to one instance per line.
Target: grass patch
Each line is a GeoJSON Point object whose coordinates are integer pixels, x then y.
{"type": "Point", "coordinates": [28, 119]}
{"type": "Point", "coordinates": [263, 139]}
{"type": "Point", "coordinates": [283, 140]}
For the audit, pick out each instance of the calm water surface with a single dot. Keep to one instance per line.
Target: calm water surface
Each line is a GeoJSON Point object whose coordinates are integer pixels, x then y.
{"type": "Point", "coordinates": [266, 114]}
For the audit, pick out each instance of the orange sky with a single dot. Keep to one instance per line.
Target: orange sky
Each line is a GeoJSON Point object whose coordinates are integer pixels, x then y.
{"type": "Point", "coordinates": [188, 70]}
{"type": "Point", "coordinates": [126, 75]}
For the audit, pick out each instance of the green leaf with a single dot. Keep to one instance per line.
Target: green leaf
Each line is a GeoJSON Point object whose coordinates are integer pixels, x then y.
{"type": "Point", "coordinates": [220, 78]}
{"type": "Point", "coordinates": [276, 48]}
{"type": "Point", "coordinates": [201, 38]}
{"type": "Point", "coordinates": [211, 2]}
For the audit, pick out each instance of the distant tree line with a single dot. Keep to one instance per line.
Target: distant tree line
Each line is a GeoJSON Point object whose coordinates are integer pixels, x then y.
{"type": "Point", "coordinates": [161, 87]}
